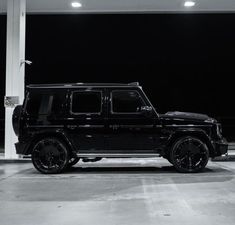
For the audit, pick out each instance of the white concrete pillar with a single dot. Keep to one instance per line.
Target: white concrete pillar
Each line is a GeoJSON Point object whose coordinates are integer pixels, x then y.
{"type": "Point", "coordinates": [15, 71]}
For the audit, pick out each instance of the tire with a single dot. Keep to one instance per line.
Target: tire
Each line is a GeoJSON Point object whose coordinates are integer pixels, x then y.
{"type": "Point", "coordinates": [50, 156]}
{"type": "Point", "coordinates": [189, 155]}
{"type": "Point", "coordinates": [167, 157]}
{"type": "Point", "coordinates": [16, 119]}
{"type": "Point", "coordinates": [169, 160]}
{"type": "Point", "coordinates": [72, 161]}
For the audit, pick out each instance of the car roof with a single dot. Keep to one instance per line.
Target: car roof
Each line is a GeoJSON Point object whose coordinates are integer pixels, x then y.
{"type": "Point", "coordinates": [71, 85]}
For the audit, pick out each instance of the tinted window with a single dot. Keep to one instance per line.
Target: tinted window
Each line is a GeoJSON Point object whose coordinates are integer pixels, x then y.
{"type": "Point", "coordinates": [86, 102]}
{"type": "Point", "coordinates": [45, 103]}
{"type": "Point", "coordinates": [126, 101]}
{"type": "Point", "coordinates": [59, 100]}
{"type": "Point", "coordinates": [34, 103]}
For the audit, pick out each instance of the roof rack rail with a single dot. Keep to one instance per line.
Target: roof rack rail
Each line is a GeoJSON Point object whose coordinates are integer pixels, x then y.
{"type": "Point", "coordinates": [65, 85]}
{"type": "Point", "coordinates": [134, 84]}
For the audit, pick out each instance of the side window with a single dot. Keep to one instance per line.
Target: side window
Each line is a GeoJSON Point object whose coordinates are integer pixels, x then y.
{"type": "Point", "coordinates": [86, 102]}
{"type": "Point", "coordinates": [37, 103]}
{"type": "Point", "coordinates": [59, 100]}
{"type": "Point", "coordinates": [126, 102]}
{"type": "Point", "coordinates": [45, 103]}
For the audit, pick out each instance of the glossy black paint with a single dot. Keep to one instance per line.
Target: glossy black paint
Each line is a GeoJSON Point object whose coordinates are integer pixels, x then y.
{"type": "Point", "coordinates": [106, 132]}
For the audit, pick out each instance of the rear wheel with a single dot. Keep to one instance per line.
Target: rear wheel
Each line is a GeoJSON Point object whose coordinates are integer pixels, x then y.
{"type": "Point", "coordinates": [72, 161]}
{"type": "Point", "coordinates": [189, 155]}
{"type": "Point", "coordinates": [50, 156]}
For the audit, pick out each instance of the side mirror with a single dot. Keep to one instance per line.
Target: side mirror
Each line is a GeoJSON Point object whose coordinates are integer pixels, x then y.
{"type": "Point", "coordinates": [146, 110]}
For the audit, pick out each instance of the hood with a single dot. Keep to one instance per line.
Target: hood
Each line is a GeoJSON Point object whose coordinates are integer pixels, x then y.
{"type": "Point", "coordinates": [188, 116]}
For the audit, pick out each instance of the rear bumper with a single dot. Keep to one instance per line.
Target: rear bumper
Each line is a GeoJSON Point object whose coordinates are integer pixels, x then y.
{"type": "Point", "coordinates": [21, 148]}
{"type": "Point", "coordinates": [221, 147]}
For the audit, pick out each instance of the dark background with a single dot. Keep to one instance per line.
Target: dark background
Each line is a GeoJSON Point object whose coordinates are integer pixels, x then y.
{"type": "Point", "coordinates": [184, 62]}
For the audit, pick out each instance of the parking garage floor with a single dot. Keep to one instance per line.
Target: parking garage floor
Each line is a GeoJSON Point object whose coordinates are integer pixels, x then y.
{"type": "Point", "coordinates": [117, 191]}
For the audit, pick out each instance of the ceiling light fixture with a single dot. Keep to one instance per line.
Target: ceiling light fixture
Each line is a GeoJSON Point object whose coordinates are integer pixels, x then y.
{"type": "Point", "coordinates": [189, 4]}
{"type": "Point", "coordinates": [76, 4]}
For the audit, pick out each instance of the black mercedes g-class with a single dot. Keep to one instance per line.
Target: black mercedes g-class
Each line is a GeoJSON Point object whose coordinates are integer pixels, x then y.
{"type": "Point", "coordinates": [58, 124]}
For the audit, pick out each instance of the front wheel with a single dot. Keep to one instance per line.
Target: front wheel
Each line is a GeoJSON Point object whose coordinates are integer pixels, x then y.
{"type": "Point", "coordinates": [189, 155]}
{"type": "Point", "coordinates": [50, 156]}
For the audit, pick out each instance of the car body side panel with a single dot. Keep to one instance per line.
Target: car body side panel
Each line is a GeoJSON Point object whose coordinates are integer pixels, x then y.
{"type": "Point", "coordinates": [131, 132]}
{"type": "Point", "coordinates": [87, 130]}
{"type": "Point", "coordinates": [108, 132]}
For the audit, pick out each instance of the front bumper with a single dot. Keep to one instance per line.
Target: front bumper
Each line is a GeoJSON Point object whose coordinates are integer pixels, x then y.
{"type": "Point", "coordinates": [221, 147]}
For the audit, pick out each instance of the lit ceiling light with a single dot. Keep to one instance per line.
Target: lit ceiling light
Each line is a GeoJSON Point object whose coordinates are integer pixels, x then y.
{"type": "Point", "coordinates": [76, 4]}
{"type": "Point", "coordinates": [189, 4]}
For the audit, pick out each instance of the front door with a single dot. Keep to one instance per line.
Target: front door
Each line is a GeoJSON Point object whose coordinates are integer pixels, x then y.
{"type": "Point", "coordinates": [130, 130]}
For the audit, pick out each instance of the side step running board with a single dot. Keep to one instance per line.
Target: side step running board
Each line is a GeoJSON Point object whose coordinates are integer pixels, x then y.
{"type": "Point", "coordinates": [116, 155]}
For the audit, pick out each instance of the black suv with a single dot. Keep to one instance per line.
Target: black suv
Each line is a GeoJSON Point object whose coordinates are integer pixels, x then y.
{"type": "Point", "coordinates": [59, 124]}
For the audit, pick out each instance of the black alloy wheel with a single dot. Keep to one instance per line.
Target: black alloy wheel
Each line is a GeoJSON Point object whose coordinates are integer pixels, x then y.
{"type": "Point", "coordinates": [50, 156]}
{"type": "Point", "coordinates": [189, 155]}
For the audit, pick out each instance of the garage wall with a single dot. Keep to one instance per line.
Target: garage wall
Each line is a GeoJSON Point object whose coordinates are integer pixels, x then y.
{"type": "Point", "coordinates": [184, 62]}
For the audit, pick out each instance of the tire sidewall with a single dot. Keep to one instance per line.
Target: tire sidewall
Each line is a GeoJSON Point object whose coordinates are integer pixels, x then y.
{"type": "Point", "coordinates": [75, 161]}
{"type": "Point", "coordinates": [177, 144]}
{"type": "Point", "coordinates": [65, 150]}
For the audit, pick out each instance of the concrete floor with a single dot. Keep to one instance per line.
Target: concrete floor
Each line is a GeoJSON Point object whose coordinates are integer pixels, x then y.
{"type": "Point", "coordinates": [117, 192]}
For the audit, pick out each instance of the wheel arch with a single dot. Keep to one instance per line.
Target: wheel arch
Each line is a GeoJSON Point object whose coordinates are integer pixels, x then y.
{"type": "Point", "coordinates": [198, 133]}
{"type": "Point", "coordinates": [56, 134]}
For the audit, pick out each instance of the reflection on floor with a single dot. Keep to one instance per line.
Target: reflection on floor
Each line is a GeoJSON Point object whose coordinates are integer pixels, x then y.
{"type": "Point", "coordinates": [117, 191]}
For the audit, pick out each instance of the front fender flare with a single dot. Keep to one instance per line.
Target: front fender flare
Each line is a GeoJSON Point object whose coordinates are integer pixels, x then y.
{"type": "Point", "coordinates": [199, 133]}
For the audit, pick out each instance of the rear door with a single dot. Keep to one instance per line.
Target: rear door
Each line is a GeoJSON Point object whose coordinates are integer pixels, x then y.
{"type": "Point", "coordinates": [86, 120]}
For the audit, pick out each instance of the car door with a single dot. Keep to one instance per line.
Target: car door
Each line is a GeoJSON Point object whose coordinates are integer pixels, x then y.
{"type": "Point", "coordinates": [86, 121]}
{"type": "Point", "coordinates": [130, 130]}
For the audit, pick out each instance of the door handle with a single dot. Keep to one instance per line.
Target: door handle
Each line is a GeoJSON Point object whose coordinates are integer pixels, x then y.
{"type": "Point", "coordinates": [71, 127]}
{"type": "Point", "coordinates": [114, 127]}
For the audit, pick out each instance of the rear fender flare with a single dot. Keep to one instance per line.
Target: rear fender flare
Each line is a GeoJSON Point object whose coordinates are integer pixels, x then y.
{"type": "Point", "coordinates": [57, 134]}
